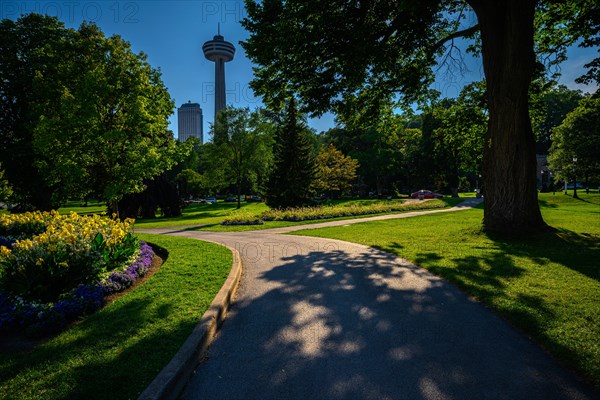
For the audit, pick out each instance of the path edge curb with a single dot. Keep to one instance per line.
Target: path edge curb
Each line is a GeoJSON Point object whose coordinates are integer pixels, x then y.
{"type": "Point", "coordinates": [172, 379]}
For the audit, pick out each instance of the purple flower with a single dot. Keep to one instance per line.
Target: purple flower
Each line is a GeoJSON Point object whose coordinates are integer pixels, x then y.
{"type": "Point", "coordinates": [118, 281]}
{"type": "Point", "coordinates": [39, 319]}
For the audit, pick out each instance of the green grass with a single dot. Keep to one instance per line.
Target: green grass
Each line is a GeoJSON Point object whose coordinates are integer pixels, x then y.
{"type": "Point", "coordinates": [548, 284]}
{"type": "Point", "coordinates": [201, 214]}
{"type": "Point", "coordinates": [117, 352]}
{"type": "Point", "coordinates": [432, 204]}
{"type": "Point", "coordinates": [205, 218]}
{"type": "Point", "coordinates": [78, 207]}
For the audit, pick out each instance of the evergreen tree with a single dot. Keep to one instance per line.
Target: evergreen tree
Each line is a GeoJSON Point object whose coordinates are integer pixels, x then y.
{"type": "Point", "coordinates": [293, 171]}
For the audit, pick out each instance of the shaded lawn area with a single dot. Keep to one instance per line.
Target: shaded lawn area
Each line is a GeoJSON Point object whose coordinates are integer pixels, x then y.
{"type": "Point", "coordinates": [548, 284]}
{"type": "Point", "coordinates": [116, 352]}
{"type": "Point", "coordinates": [201, 214]}
{"type": "Point", "coordinates": [93, 207]}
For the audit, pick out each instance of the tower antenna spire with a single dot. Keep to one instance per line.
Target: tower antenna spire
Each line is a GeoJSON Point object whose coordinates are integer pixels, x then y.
{"type": "Point", "coordinates": [219, 51]}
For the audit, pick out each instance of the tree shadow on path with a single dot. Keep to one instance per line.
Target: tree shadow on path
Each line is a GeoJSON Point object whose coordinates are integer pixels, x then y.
{"type": "Point", "coordinates": [341, 325]}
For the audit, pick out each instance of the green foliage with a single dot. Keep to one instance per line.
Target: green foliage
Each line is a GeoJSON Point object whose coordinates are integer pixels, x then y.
{"type": "Point", "coordinates": [578, 135]}
{"type": "Point", "coordinates": [434, 149]}
{"type": "Point", "coordinates": [302, 47]}
{"type": "Point", "coordinates": [191, 150]}
{"type": "Point", "coordinates": [327, 212]}
{"type": "Point", "coordinates": [37, 41]}
{"type": "Point", "coordinates": [561, 24]}
{"type": "Point", "coordinates": [190, 183]}
{"type": "Point", "coordinates": [335, 171]}
{"type": "Point", "coordinates": [241, 150]}
{"type": "Point", "coordinates": [116, 255]}
{"type": "Point", "coordinates": [131, 339]}
{"type": "Point", "coordinates": [242, 218]}
{"type": "Point", "coordinates": [395, 46]}
{"type": "Point", "coordinates": [43, 276]}
{"type": "Point", "coordinates": [56, 253]}
{"type": "Point", "coordinates": [160, 192]}
{"type": "Point", "coordinates": [458, 139]}
{"type": "Point", "coordinates": [321, 69]}
{"type": "Point", "coordinates": [5, 188]}
{"type": "Point", "coordinates": [291, 178]}
{"type": "Point", "coordinates": [85, 113]}
{"type": "Point", "coordinates": [549, 108]}
{"type": "Point", "coordinates": [376, 148]}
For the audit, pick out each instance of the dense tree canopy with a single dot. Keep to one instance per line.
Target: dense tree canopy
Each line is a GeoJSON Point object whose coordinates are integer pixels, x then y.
{"type": "Point", "coordinates": [549, 109]}
{"type": "Point", "coordinates": [578, 135]}
{"type": "Point", "coordinates": [81, 113]}
{"type": "Point", "coordinates": [458, 139]}
{"type": "Point", "coordinates": [349, 56]}
{"type": "Point", "coordinates": [335, 172]}
{"type": "Point", "coordinates": [241, 148]}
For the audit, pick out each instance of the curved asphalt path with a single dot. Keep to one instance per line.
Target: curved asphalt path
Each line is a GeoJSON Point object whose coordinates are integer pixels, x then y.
{"type": "Point", "coordinates": [326, 319]}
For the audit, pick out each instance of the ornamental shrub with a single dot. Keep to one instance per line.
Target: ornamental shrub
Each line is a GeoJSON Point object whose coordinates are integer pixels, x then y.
{"type": "Point", "coordinates": [69, 251]}
{"type": "Point", "coordinates": [242, 218]}
{"type": "Point", "coordinates": [39, 318]}
{"type": "Point", "coordinates": [326, 212]}
{"type": "Point", "coordinates": [25, 225]}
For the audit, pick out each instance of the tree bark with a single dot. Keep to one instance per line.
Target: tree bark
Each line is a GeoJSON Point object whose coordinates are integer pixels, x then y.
{"type": "Point", "coordinates": [509, 165]}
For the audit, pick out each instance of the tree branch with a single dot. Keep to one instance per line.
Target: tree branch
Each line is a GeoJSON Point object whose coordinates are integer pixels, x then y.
{"type": "Point", "coordinates": [454, 35]}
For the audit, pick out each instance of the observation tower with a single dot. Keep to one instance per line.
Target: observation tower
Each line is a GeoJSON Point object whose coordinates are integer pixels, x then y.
{"type": "Point", "coordinates": [219, 51]}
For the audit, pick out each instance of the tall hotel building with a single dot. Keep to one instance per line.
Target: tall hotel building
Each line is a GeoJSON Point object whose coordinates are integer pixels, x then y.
{"type": "Point", "coordinates": [189, 122]}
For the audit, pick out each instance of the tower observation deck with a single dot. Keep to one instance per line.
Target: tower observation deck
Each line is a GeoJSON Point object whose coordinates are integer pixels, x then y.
{"type": "Point", "coordinates": [219, 51]}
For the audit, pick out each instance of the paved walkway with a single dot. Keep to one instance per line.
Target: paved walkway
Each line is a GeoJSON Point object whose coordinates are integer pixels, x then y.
{"type": "Point", "coordinates": [325, 319]}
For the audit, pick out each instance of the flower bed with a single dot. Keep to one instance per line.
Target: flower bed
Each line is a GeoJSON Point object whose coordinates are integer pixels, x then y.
{"type": "Point", "coordinates": [242, 218]}
{"type": "Point", "coordinates": [327, 212]}
{"type": "Point", "coordinates": [18, 314]}
{"type": "Point", "coordinates": [56, 268]}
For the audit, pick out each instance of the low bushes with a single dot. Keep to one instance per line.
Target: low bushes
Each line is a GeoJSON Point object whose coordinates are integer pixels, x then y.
{"type": "Point", "coordinates": [242, 218]}
{"type": "Point", "coordinates": [326, 212]}
{"type": "Point", "coordinates": [54, 267]}
{"type": "Point", "coordinates": [114, 353]}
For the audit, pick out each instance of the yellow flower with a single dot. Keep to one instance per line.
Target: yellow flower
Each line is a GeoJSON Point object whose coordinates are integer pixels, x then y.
{"type": "Point", "coordinates": [4, 251]}
{"type": "Point", "coordinates": [24, 244]}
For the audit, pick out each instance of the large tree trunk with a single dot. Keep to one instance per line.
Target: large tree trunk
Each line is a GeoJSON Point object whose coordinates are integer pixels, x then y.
{"type": "Point", "coordinates": [509, 165]}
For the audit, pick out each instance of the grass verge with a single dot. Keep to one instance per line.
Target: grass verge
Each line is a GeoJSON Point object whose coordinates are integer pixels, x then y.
{"type": "Point", "coordinates": [210, 216]}
{"type": "Point", "coordinates": [548, 285]}
{"type": "Point", "coordinates": [201, 214]}
{"type": "Point", "coordinates": [116, 352]}
{"type": "Point", "coordinates": [217, 227]}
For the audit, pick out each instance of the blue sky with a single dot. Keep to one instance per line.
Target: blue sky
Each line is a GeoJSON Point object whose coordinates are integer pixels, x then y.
{"type": "Point", "coordinates": [171, 33]}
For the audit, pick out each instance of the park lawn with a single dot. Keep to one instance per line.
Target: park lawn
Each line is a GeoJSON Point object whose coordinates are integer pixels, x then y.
{"type": "Point", "coordinates": [210, 219]}
{"type": "Point", "coordinates": [200, 214]}
{"type": "Point", "coordinates": [93, 207]}
{"type": "Point", "coordinates": [547, 285]}
{"type": "Point", "coordinates": [431, 204]}
{"type": "Point", "coordinates": [116, 352]}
